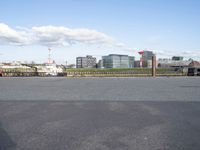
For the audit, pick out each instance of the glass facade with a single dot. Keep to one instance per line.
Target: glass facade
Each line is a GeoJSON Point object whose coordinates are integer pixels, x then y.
{"type": "Point", "coordinates": [147, 55]}
{"type": "Point", "coordinates": [118, 61]}
{"type": "Point", "coordinates": [177, 58]}
{"type": "Point", "coordinates": [147, 59]}
{"type": "Point", "coordinates": [131, 61]}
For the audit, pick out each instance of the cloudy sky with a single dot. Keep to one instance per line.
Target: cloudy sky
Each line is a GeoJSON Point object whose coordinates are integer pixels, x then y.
{"type": "Point", "coordinates": [98, 27]}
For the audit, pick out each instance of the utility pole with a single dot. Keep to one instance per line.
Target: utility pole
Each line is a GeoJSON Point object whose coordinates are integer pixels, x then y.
{"type": "Point", "coordinates": [154, 65]}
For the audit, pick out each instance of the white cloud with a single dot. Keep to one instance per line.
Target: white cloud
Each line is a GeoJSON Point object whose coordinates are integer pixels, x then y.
{"type": "Point", "coordinates": [51, 35]}
{"type": "Point", "coordinates": [170, 53]}
{"type": "Point", "coordinates": [191, 54]}
{"type": "Point", "coordinates": [54, 36]}
{"type": "Point", "coordinates": [11, 36]}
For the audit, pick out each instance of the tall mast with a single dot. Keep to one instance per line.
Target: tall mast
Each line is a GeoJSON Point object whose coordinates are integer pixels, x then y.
{"type": "Point", "coordinates": [49, 58]}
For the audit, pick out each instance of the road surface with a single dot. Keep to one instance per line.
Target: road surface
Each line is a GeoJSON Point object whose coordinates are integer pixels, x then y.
{"type": "Point", "coordinates": [100, 113]}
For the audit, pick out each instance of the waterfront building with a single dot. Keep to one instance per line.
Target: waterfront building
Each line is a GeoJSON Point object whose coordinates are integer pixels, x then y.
{"type": "Point", "coordinates": [177, 58]}
{"type": "Point", "coordinates": [137, 63]}
{"type": "Point", "coordinates": [147, 55]}
{"type": "Point", "coordinates": [173, 63]}
{"type": "Point", "coordinates": [86, 62]}
{"type": "Point", "coordinates": [100, 64]}
{"type": "Point", "coordinates": [118, 61]}
{"type": "Point", "coordinates": [147, 59]}
{"type": "Point", "coordinates": [13, 65]}
{"type": "Point", "coordinates": [131, 61]}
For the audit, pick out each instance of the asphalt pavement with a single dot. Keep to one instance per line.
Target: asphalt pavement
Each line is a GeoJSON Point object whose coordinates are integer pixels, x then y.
{"type": "Point", "coordinates": [100, 113]}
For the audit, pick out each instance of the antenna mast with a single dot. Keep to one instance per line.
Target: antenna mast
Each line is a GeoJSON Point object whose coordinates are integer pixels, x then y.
{"type": "Point", "coordinates": [49, 58]}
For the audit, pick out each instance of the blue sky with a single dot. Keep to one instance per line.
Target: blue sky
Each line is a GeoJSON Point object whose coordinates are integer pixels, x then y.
{"type": "Point", "coordinates": [168, 27]}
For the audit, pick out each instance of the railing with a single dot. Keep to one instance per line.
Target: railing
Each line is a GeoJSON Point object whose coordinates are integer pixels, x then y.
{"type": "Point", "coordinates": [100, 73]}
{"type": "Point", "coordinates": [27, 74]}
{"type": "Point", "coordinates": [129, 73]}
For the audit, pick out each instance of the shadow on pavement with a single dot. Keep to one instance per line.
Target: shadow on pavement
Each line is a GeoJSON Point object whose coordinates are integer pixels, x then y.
{"type": "Point", "coordinates": [5, 140]}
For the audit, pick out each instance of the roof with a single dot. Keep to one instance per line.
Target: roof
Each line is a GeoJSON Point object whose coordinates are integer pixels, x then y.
{"type": "Point", "coordinates": [174, 63]}
{"type": "Point", "coordinates": [194, 64]}
{"type": "Point", "coordinates": [117, 55]}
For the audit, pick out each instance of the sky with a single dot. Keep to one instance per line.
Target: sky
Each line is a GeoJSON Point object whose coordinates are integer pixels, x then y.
{"type": "Point", "coordinates": [74, 28]}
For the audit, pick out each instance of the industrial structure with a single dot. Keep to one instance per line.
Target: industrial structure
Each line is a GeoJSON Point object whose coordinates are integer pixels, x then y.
{"type": "Point", "coordinates": [140, 62]}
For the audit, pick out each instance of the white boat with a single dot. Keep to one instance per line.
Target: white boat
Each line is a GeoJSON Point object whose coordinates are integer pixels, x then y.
{"type": "Point", "coordinates": [49, 69]}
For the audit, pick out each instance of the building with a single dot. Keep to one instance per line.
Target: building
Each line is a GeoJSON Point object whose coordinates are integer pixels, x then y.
{"type": "Point", "coordinates": [118, 61]}
{"type": "Point", "coordinates": [177, 58]}
{"type": "Point", "coordinates": [86, 62]}
{"type": "Point", "coordinates": [147, 59]}
{"type": "Point", "coordinates": [137, 63]}
{"type": "Point", "coordinates": [81, 62]}
{"type": "Point", "coordinates": [147, 55]}
{"type": "Point", "coordinates": [13, 65]}
{"type": "Point", "coordinates": [100, 64]}
{"type": "Point", "coordinates": [194, 64]}
{"type": "Point", "coordinates": [193, 69]}
{"type": "Point", "coordinates": [131, 61]}
{"type": "Point", "coordinates": [174, 63]}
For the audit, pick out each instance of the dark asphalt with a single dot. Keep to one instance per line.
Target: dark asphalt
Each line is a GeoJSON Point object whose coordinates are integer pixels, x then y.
{"type": "Point", "coordinates": [106, 89]}
{"type": "Point", "coordinates": [100, 114]}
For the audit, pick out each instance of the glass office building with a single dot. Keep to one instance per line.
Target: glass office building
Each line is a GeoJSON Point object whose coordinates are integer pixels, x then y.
{"type": "Point", "coordinates": [131, 61]}
{"type": "Point", "coordinates": [147, 55]}
{"type": "Point", "coordinates": [177, 58]}
{"type": "Point", "coordinates": [147, 59]}
{"type": "Point", "coordinates": [118, 61]}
